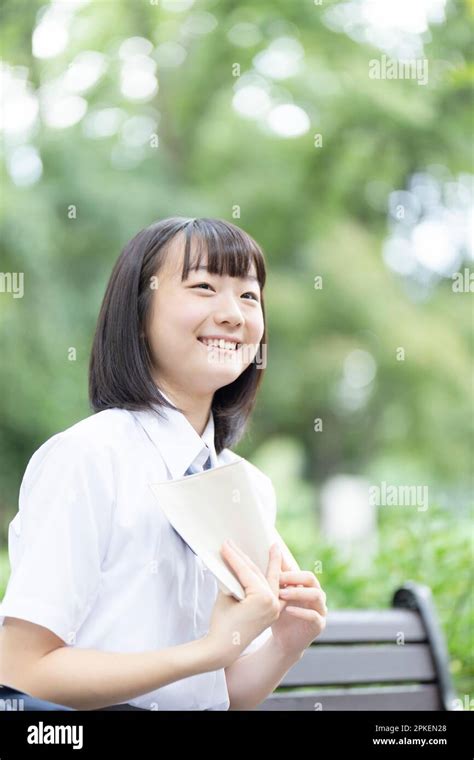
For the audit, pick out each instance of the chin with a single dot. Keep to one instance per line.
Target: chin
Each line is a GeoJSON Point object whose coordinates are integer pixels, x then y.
{"type": "Point", "coordinates": [219, 379]}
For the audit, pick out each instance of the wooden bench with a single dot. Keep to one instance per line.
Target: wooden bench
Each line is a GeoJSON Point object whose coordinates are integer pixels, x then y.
{"type": "Point", "coordinates": [394, 659]}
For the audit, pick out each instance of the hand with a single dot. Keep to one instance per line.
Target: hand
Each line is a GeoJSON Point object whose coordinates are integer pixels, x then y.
{"type": "Point", "coordinates": [234, 624]}
{"type": "Point", "coordinates": [303, 616]}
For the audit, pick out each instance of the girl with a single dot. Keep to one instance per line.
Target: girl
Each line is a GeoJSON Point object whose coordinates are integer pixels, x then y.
{"type": "Point", "coordinates": [106, 605]}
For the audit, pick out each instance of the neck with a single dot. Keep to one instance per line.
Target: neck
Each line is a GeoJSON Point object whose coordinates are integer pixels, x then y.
{"type": "Point", "coordinates": [195, 409]}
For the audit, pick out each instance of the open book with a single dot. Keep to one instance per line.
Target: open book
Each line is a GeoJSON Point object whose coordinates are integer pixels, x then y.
{"type": "Point", "coordinates": [208, 507]}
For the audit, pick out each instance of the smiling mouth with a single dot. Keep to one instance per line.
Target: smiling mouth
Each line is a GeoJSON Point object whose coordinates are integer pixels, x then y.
{"type": "Point", "coordinates": [220, 345]}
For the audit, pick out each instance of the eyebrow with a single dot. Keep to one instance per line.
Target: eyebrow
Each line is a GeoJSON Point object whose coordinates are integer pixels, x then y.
{"type": "Point", "coordinates": [247, 277]}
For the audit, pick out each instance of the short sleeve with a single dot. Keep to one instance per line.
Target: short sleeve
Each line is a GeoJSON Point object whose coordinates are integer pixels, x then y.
{"type": "Point", "coordinates": [59, 537]}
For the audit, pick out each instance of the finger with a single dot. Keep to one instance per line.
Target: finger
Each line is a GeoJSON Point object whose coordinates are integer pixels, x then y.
{"type": "Point", "coordinates": [303, 592]}
{"type": "Point", "coordinates": [309, 615]}
{"type": "Point", "coordinates": [305, 577]}
{"type": "Point", "coordinates": [247, 577]}
{"type": "Point", "coordinates": [274, 567]}
{"type": "Point", "coordinates": [313, 598]}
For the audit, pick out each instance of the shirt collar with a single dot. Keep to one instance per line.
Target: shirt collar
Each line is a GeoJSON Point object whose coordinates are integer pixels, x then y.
{"type": "Point", "coordinates": [176, 439]}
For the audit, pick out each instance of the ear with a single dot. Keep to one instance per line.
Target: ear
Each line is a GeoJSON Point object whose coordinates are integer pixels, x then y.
{"type": "Point", "coordinates": [288, 562]}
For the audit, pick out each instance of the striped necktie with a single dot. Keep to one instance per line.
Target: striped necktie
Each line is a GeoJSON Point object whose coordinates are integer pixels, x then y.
{"type": "Point", "coordinates": [192, 469]}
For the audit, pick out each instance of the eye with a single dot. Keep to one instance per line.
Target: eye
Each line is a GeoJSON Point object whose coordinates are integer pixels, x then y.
{"type": "Point", "coordinates": [251, 294]}
{"type": "Point", "coordinates": [202, 285]}
{"type": "Point", "coordinates": [207, 285]}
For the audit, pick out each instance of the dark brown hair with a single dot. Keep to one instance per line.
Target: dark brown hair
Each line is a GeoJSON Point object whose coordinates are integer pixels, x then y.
{"type": "Point", "coordinates": [120, 363]}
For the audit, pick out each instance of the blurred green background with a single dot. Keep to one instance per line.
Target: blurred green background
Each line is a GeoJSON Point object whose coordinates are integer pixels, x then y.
{"type": "Point", "coordinates": [359, 189]}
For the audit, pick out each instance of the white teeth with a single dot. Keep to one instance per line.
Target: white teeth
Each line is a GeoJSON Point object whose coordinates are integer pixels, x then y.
{"type": "Point", "coordinates": [216, 343]}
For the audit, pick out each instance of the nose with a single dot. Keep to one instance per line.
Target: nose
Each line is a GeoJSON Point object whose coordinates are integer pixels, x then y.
{"type": "Point", "coordinates": [228, 311]}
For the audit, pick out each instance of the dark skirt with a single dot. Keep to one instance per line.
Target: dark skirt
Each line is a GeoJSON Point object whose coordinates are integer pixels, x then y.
{"type": "Point", "coordinates": [13, 699]}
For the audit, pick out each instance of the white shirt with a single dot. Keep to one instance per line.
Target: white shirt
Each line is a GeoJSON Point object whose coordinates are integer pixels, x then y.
{"type": "Point", "coordinates": [93, 557]}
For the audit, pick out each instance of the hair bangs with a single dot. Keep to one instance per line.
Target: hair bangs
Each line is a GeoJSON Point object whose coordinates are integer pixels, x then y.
{"type": "Point", "coordinates": [229, 250]}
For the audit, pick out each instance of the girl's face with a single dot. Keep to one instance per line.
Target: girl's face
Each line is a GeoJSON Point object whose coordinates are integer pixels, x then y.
{"type": "Point", "coordinates": [205, 308]}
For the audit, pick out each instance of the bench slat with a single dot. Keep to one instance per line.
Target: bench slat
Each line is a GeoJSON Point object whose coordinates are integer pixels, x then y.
{"type": "Point", "coordinates": [372, 625]}
{"type": "Point", "coordinates": [361, 664]}
{"type": "Point", "coordinates": [420, 697]}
